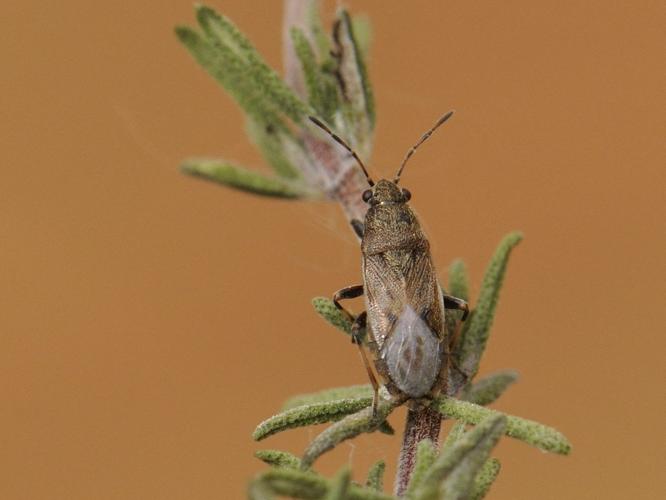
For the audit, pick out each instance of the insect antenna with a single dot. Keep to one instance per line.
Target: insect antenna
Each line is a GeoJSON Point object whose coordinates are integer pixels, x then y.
{"type": "Point", "coordinates": [419, 142]}
{"type": "Point", "coordinates": [337, 139]}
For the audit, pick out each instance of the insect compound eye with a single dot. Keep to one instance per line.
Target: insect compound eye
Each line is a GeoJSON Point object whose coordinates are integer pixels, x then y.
{"type": "Point", "coordinates": [407, 194]}
{"type": "Point", "coordinates": [367, 195]}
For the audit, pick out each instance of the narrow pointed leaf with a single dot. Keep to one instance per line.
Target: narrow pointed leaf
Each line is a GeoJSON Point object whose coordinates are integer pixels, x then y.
{"type": "Point", "coordinates": [313, 77]}
{"type": "Point", "coordinates": [224, 34]}
{"type": "Point", "coordinates": [458, 280]}
{"type": "Point", "coordinates": [538, 435]}
{"type": "Point", "coordinates": [325, 307]}
{"type": "Point", "coordinates": [243, 179]}
{"type": "Point", "coordinates": [260, 490]}
{"type": "Point", "coordinates": [347, 428]}
{"type": "Point", "coordinates": [452, 474]}
{"type": "Point", "coordinates": [277, 458]}
{"type": "Point", "coordinates": [231, 71]}
{"type": "Point", "coordinates": [301, 484]}
{"type": "Point", "coordinates": [275, 145]}
{"type": "Point", "coordinates": [309, 415]}
{"type": "Point", "coordinates": [457, 431]}
{"type": "Point", "coordinates": [375, 479]}
{"type": "Point", "coordinates": [426, 453]}
{"type": "Point", "coordinates": [340, 485]}
{"type": "Point", "coordinates": [485, 478]}
{"type": "Point", "coordinates": [489, 388]}
{"type": "Point", "coordinates": [477, 327]}
{"type": "Point", "coordinates": [350, 392]}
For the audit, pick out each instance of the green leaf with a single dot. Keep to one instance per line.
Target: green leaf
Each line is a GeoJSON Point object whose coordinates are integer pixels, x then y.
{"type": "Point", "coordinates": [426, 453]}
{"type": "Point", "coordinates": [347, 428]}
{"type": "Point", "coordinates": [259, 490]}
{"type": "Point", "coordinates": [340, 485]}
{"type": "Point", "coordinates": [477, 327]}
{"type": "Point", "coordinates": [277, 146]}
{"type": "Point", "coordinates": [455, 469]}
{"type": "Point", "coordinates": [485, 478]}
{"type": "Point", "coordinates": [458, 280]}
{"type": "Point", "coordinates": [489, 388]}
{"type": "Point", "coordinates": [457, 431]}
{"type": "Point", "coordinates": [318, 98]}
{"type": "Point", "coordinates": [325, 307]}
{"type": "Point", "coordinates": [277, 458]}
{"type": "Point", "coordinates": [232, 72]}
{"type": "Point", "coordinates": [246, 180]}
{"type": "Point", "coordinates": [309, 415]}
{"type": "Point", "coordinates": [325, 396]}
{"type": "Point", "coordinates": [539, 435]}
{"type": "Point", "coordinates": [224, 35]}
{"type": "Point", "coordinates": [375, 479]}
{"type": "Point", "coordinates": [302, 484]}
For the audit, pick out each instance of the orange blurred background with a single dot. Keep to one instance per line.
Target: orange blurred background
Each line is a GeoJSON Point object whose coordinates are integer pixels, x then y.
{"type": "Point", "coordinates": [148, 321]}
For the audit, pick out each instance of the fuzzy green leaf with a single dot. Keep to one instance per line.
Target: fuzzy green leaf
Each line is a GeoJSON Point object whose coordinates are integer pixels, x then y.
{"type": "Point", "coordinates": [485, 478]}
{"type": "Point", "coordinates": [426, 453]}
{"type": "Point", "coordinates": [347, 428]}
{"type": "Point", "coordinates": [489, 388]}
{"type": "Point", "coordinates": [301, 484]}
{"type": "Point", "coordinates": [325, 307]}
{"type": "Point", "coordinates": [246, 180]}
{"type": "Point", "coordinates": [277, 458]}
{"type": "Point", "coordinates": [340, 485]}
{"type": "Point", "coordinates": [455, 469]}
{"type": "Point", "coordinates": [224, 35]}
{"type": "Point", "coordinates": [277, 146]}
{"type": "Point", "coordinates": [458, 280]}
{"type": "Point", "coordinates": [325, 396]}
{"type": "Point", "coordinates": [457, 431]}
{"type": "Point", "coordinates": [323, 102]}
{"type": "Point", "coordinates": [477, 327]}
{"type": "Point", "coordinates": [309, 415]}
{"type": "Point", "coordinates": [260, 490]}
{"type": "Point", "coordinates": [375, 479]}
{"type": "Point", "coordinates": [231, 71]}
{"type": "Point", "coordinates": [539, 435]}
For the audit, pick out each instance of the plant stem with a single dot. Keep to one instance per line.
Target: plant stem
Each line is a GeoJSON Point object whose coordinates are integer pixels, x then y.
{"type": "Point", "coordinates": [421, 423]}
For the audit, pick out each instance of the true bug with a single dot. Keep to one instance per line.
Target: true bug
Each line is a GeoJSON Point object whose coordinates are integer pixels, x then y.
{"type": "Point", "coordinates": [405, 307]}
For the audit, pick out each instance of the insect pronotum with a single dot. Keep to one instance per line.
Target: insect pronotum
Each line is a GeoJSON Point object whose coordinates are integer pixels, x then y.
{"type": "Point", "coordinates": [405, 307]}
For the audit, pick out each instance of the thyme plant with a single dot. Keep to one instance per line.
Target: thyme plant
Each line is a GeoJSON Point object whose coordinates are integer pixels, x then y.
{"type": "Point", "coordinates": [325, 76]}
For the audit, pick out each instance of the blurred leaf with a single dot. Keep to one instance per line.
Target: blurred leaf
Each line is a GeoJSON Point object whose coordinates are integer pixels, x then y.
{"type": "Point", "coordinates": [426, 453]}
{"type": "Point", "coordinates": [455, 469]}
{"type": "Point", "coordinates": [457, 431]}
{"type": "Point", "coordinates": [543, 437]}
{"type": "Point", "coordinates": [340, 485]}
{"type": "Point", "coordinates": [302, 484]}
{"type": "Point", "coordinates": [309, 415]}
{"type": "Point", "coordinates": [489, 388]}
{"type": "Point", "coordinates": [347, 428]}
{"type": "Point", "coordinates": [485, 478]}
{"type": "Point", "coordinates": [477, 327]}
{"type": "Point", "coordinates": [243, 179]}
{"type": "Point", "coordinates": [375, 479]}
{"type": "Point", "coordinates": [325, 307]}
{"type": "Point", "coordinates": [458, 280]}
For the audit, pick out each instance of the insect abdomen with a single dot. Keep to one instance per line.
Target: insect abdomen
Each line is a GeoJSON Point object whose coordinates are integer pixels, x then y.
{"type": "Point", "coordinates": [411, 354]}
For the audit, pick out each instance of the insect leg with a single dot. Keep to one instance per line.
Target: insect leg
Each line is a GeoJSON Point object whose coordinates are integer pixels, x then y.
{"type": "Point", "coordinates": [349, 292]}
{"type": "Point", "coordinates": [359, 324]}
{"type": "Point", "coordinates": [451, 302]}
{"type": "Point", "coordinates": [359, 227]}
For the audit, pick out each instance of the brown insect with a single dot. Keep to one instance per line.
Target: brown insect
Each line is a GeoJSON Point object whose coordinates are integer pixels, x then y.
{"type": "Point", "coordinates": [405, 307]}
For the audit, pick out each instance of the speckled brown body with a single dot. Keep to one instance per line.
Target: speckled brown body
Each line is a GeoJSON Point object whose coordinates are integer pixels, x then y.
{"type": "Point", "coordinates": [404, 303]}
